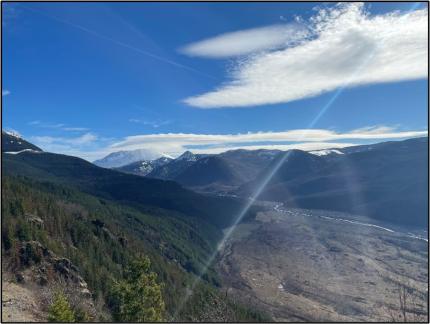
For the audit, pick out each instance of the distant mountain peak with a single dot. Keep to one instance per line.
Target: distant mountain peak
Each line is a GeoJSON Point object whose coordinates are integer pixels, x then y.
{"type": "Point", "coordinates": [187, 156]}
{"type": "Point", "coordinates": [122, 158]}
{"type": "Point", "coordinates": [145, 167]}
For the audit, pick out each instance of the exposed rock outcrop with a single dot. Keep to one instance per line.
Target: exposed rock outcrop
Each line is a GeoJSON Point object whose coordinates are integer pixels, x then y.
{"type": "Point", "coordinates": [42, 272]}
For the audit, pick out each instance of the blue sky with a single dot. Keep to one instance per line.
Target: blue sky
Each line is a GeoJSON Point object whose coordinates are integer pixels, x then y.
{"type": "Point", "coordinates": [88, 79]}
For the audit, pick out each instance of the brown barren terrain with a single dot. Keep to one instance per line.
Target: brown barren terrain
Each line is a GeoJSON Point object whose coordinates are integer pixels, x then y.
{"type": "Point", "coordinates": [299, 266]}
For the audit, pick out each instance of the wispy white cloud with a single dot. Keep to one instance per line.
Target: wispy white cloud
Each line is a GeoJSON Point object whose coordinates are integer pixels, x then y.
{"type": "Point", "coordinates": [40, 124]}
{"type": "Point", "coordinates": [84, 146]}
{"type": "Point", "coordinates": [246, 41]}
{"type": "Point", "coordinates": [75, 129]}
{"type": "Point", "coordinates": [75, 141]}
{"type": "Point", "coordinates": [152, 123]}
{"type": "Point", "coordinates": [5, 92]}
{"type": "Point", "coordinates": [60, 126]}
{"type": "Point", "coordinates": [312, 139]}
{"type": "Point", "coordinates": [115, 41]}
{"type": "Point", "coordinates": [33, 122]}
{"type": "Point", "coordinates": [345, 47]}
{"type": "Point", "coordinates": [90, 146]}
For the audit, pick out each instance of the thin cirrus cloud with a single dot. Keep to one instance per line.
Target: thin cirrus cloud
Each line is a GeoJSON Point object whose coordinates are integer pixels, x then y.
{"type": "Point", "coordinates": [60, 126]}
{"type": "Point", "coordinates": [344, 46]}
{"type": "Point", "coordinates": [73, 141]}
{"type": "Point", "coordinates": [83, 146]}
{"type": "Point", "coordinates": [306, 139]}
{"type": "Point", "coordinates": [5, 92]}
{"type": "Point", "coordinates": [152, 123]}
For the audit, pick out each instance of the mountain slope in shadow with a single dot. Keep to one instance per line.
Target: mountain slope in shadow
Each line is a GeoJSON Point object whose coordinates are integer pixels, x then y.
{"type": "Point", "coordinates": [386, 181]}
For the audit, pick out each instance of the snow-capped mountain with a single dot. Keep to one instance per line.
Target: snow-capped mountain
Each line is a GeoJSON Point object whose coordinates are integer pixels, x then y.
{"type": "Point", "coordinates": [145, 167]}
{"type": "Point", "coordinates": [175, 167]}
{"type": "Point", "coordinates": [121, 158]}
{"type": "Point", "coordinates": [187, 156]}
{"type": "Point", "coordinates": [215, 172]}
{"type": "Point", "coordinates": [165, 167]}
{"type": "Point", "coordinates": [13, 143]}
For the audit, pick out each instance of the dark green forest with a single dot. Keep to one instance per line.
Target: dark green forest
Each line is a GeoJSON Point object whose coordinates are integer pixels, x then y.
{"type": "Point", "coordinates": [102, 237]}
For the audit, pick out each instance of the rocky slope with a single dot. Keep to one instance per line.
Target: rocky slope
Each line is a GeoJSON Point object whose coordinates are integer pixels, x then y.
{"type": "Point", "coordinates": [32, 276]}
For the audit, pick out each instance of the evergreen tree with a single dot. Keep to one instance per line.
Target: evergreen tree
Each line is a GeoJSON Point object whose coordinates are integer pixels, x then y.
{"type": "Point", "coordinates": [138, 297]}
{"type": "Point", "coordinates": [60, 310]}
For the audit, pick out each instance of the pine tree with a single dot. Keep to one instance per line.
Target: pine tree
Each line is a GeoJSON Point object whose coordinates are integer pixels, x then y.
{"type": "Point", "coordinates": [138, 298]}
{"type": "Point", "coordinates": [60, 310]}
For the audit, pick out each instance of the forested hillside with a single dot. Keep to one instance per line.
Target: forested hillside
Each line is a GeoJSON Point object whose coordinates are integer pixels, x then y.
{"type": "Point", "coordinates": [101, 238]}
{"type": "Point", "coordinates": [71, 226]}
{"type": "Point", "coordinates": [109, 184]}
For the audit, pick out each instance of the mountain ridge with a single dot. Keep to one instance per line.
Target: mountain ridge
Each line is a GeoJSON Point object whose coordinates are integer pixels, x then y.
{"type": "Point", "coordinates": [14, 143]}
{"type": "Point", "coordinates": [385, 181]}
{"type": "Point", "coordinates": [122, 158]}
{"type": "Point", "coordinates": [117, 185]}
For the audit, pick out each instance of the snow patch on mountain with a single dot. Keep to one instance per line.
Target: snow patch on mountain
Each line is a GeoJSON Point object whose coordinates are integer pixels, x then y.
{"type": "Point", "coordinates": [325, 152]}
{"type": "Point", "coordinates": [26, 150]}
{"type": "Point", "coordinates": [146, 167]}
{"type": "Point", "coordinates": [14, 143]}
{"type": "Point", "coordinates": [187, 156]}
{"type": "Point", "coordinates": [121, 158]}
{"type": "Point", "coordinates": [12, 133]}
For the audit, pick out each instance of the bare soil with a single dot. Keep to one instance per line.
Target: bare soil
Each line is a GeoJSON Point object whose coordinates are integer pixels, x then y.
{"type": "Point", "coordinates": [20, 304]}
{"type": "Point", "coordinates": [298, 266]}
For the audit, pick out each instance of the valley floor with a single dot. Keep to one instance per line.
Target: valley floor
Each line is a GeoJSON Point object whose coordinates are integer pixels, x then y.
{"type": "Point", "coordinates": [301, 265]}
